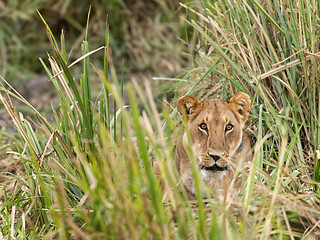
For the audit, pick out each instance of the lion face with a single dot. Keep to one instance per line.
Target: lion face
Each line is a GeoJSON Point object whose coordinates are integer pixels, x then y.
{"type": "Point", "coordinates": [216, 130]}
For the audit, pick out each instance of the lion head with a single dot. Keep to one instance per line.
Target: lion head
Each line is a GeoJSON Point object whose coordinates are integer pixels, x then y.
{"type": "Point", "coordinates": [217, 136]}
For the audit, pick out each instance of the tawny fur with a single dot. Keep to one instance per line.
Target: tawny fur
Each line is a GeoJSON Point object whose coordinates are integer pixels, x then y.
{"type": "Point", "coordinates": [217, 136]}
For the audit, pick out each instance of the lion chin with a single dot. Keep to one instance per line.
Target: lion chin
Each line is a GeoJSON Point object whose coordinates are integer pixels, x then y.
{"type": "Point", "coordinates": [217, 138]}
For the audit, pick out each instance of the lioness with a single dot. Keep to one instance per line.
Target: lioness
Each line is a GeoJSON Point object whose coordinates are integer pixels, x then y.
{"type": "Point", "coordinates": [218, 139]}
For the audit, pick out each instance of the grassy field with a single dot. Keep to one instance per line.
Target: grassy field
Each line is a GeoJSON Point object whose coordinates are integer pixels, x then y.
{"type": "Point", "coordinates": [89, 175]}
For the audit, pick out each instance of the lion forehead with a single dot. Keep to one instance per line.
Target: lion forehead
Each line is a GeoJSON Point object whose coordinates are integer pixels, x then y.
{"type": "Point", "coordinates": [216, 111]}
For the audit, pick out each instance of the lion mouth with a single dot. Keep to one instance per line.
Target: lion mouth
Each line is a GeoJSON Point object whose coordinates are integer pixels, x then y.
{"type": "Point", "coordinates": [215, 168]}
{"type": "Point", "coordinates": [214, 162]}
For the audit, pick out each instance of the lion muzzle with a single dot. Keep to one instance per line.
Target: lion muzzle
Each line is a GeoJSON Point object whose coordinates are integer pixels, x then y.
{"type": "Point", "coordinates": [214, 163]}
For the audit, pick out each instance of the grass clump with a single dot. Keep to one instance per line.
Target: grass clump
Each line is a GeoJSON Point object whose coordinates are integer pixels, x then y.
{"type": "Point", "coordinates": [89, 174]}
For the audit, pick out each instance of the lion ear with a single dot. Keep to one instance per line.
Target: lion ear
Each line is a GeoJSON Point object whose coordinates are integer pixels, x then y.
{"type": "Point", "coordinates": [241, 104]}
{"type": "Point", "coordinates": [189, 105]}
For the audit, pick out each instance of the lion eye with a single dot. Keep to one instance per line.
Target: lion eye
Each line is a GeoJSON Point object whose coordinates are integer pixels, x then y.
{"type": "Point", "coordinates": [203, 126]}
{"type": "Point", "coordinates": [229, 127]}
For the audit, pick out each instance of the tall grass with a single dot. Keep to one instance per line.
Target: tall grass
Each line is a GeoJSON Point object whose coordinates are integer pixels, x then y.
{"type": "Point", "coordinates": [270, 50]}
{"type": "Point", "coordinates": [90, 173]}
{"type": "Point", "coordinates": [275, 60]}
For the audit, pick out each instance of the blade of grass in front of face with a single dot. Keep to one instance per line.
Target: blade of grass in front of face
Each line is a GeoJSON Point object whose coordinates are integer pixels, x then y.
{"type": "Point", "coordinates": [198, 182]}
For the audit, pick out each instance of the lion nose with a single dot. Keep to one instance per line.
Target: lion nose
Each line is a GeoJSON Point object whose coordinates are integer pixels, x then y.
{"type": "Point", "coordinates": [214, 157]}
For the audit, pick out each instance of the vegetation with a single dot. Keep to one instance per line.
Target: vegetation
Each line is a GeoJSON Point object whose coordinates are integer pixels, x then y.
{"type": "Point", "coordinates": [137, 32]}
{"type": "Point", "coordinates": [89, 173]}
